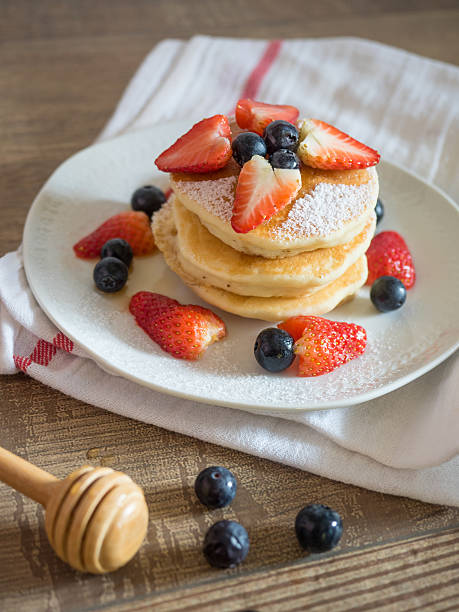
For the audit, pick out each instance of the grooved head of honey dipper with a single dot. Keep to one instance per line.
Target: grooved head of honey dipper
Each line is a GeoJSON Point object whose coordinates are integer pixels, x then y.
{"type": "Point", "coordinates": [116, 530]}
{"type": "Point", "coordinates": [97, 520]}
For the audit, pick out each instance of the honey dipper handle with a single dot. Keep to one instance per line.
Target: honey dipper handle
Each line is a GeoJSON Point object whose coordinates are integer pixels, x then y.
{"type": "Point", "coordinates": [25, 477]}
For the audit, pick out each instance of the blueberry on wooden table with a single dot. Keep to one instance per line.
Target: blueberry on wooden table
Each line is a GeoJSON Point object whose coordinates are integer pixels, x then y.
{"type": "Point", "coordinates": [215, 487]}
{"type": "Point", "coordinates": [226, 544]}
{"type": "Point", "coordinates": [318, 528]}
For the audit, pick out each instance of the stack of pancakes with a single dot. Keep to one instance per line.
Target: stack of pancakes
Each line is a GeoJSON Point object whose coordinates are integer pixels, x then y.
{"type": "Point", "coordinates": [306, 259]}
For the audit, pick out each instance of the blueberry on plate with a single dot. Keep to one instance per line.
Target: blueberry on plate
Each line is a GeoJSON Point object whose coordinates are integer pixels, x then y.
{"type": "Point", "coordinates": [379, 210]}
{"type": "Point", "coordinates": [110, 274]}
{"type": "Point", "coordinates": [119, 248]}
{"type": "Point", "coordinates": [284, 158]}
{"type": "Point", "coordinates": [215, 487]}
{"type": "Point", "coordinates": [148, 199]}
{"type": "Point", "coordinates": [318, 528]}
{"type": "Point", "coordinates": [226, 544]}
{"type": "Point", "coordinates": [388, 293]}
{"type": "Point", "coordinates": [246, 145]}
{"type": "Point", "coordinates": [274, 349]}
{"type": "Point", "coordinates": [281, 134]}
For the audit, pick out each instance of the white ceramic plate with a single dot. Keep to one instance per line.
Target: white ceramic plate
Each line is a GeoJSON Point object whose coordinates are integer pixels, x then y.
{"type": "Point", "coordinates": [98, 182]}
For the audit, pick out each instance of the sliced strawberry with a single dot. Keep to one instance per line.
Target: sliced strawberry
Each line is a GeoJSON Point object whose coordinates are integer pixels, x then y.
{"type": "Point", "coordinates": [325, 345]}
{"type": "Point", "coordinates": [145, 305]}
{"type": "Point", "coordinates": [183, 331]}
{"type": "Point", "coordinates": [388, 255]}
{"type": "Point", "coordinates": [295, 326]}
{"type": "Point", "coordinates": [132, 226]}
{"type": "Point", "coordinates": [255, 116]}
{"type": "Point", "coordinates": [324, 146]}
{"type": "Point", "coordinates": [204, 148]}
{"type": "Point", "coordinates": [261, 192]}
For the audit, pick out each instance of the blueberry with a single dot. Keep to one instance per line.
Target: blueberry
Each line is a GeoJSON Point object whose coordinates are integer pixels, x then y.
{"type": "Point", "coordinates": [318, 528]}
{"type": "Point", "coordinates": [246, 145]}
{"type": "Point", "coordinates": [148, 199]}
{"type": "Point", "coordinates": [283, 158]}
{"type": "Point", "coordinates": [280, 135]}
{"type": "Point", "coordinates": [110, 274]}
{"type": "Point", "coordinates": [274, 349]}
{"type": "Point", "coordinates": [388, 293]}
{"type": "Point", "coordinates": [226, 544]}
{"type": "Point", "coordinates": [119, 248]}
{"type": "Point", "coordinates": [379, 210]}
{"type": "Point", "coordinates": [215, 487]}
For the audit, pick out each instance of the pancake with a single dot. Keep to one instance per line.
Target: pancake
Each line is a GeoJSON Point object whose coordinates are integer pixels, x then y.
{"type": "Point", "coordinates": [266, 308]}
{"type": "Point", "coordinates": [331, 208]}
{"type": "Point", "coordinates": [203, 256]}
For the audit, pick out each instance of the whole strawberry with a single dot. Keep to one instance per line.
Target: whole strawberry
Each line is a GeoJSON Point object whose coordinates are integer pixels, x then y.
{"type": "Point", "coordinates": [388, 255]}
{"type": "Point", "coordinates": [131, 226]}
{"type": "Point", "coordinates": [184, 332]}
{"type": "Point", "coordinates": [325, 345]}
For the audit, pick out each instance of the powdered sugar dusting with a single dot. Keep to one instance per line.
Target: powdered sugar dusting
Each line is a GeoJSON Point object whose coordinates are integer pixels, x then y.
{"type": "Point", "coordinates": [322, 211]}
{"type": "Point", "coordinates": [326, 209]}
{"type": "Point", "coordinates": [215, 195]}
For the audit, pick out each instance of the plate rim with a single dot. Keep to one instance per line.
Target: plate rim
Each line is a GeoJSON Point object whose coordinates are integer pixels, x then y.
{"type": "Point", "coordinates": [254, 408]}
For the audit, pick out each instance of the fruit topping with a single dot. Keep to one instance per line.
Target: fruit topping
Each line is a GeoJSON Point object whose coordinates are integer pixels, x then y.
{"type": "Point", "coordinates": [281, 134]}
{"type": "Point", "coordinates": [246, 145]}
{"type": "Point", "coordinates": [379, 210]}
{"type": "Point", "coordinates": [132, 226]}
{"type": "Point", "coordinates": [110, 274]}
{"type": "Point", "coordinates": [388, 255]}
{"type": "Point", "coordinates": [148, 199]}
{"type": "Point", "coordinates": [295, 326]}
{"type": "Point", "coordinates": [274, 349]}
{"type": "Point", "coordinates": [324, 146]}
{"type": "Point", "coordinates": [182, 331]}
{"type": "Point", "coordinates": [255, 116]}
{"type": "Point", "coordinates": [145, 306]}
{"type": "Point", "coordinates": [283, 158]}
{"type": "Point", "coordinates": [261, 192]}
{"type": "Point", "coordinates": [215, 487]}
{"type": "Point", "coordinates": [325, 345]}
{"type": "Point", "coordinates": [318, 528]}
{"type": "Point", "coordinates": [119, 248]}
{"type": "Point", "coordinates": [204, 148]}
{"type": "Point", "coordinates": [226, 544]}
{"type": "Point", "coordinates": [388, 293]}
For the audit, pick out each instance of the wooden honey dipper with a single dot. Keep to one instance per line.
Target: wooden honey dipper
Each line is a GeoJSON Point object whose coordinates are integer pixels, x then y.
{"type": "Point", "coordinates": [96, 518]}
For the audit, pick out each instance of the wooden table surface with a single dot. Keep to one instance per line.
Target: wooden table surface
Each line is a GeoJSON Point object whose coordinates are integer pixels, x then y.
{"type": "Point", "coordinates": [63, 66]}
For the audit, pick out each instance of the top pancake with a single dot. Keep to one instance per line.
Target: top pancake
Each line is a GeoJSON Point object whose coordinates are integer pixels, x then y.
{"type": "Point", "coordinates": [331, 208]}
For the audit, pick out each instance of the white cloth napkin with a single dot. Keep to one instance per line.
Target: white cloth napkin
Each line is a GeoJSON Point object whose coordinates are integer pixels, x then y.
{"type": "Point", "coordinates": [404, 443]}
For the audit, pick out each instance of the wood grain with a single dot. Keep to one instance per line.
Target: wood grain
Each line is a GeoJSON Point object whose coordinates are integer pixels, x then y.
{"type": "Point", "coordinates": [63, 66]}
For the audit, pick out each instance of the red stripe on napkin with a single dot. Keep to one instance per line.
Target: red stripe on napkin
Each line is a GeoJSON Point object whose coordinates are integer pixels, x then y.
{"type": "Point", "coordinates": [22, 363]}
{"type": "Point", "coordinates": [62, 342]}
{"type": "Point", "coordinates": [258, 73]}
{"type": "Point", "coordinates": [43, 352]}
